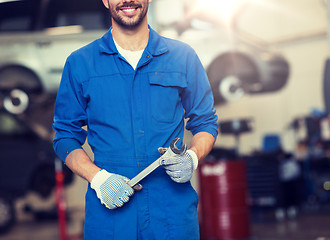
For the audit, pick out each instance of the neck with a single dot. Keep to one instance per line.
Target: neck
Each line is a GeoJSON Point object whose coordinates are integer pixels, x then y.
{"type": "Point", "coordinates": [131, 39]}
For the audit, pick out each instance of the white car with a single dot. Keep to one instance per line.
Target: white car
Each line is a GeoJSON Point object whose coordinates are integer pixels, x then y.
{"type": "Point", "coordinates": [36, 39]}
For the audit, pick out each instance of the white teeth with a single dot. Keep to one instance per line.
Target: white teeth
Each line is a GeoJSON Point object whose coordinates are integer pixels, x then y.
{"type": "Point", "coordinates": [129, 10]}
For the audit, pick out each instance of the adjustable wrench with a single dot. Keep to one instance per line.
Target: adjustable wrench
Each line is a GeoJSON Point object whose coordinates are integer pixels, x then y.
{"type": "Point", "coordinates": [170, 152]}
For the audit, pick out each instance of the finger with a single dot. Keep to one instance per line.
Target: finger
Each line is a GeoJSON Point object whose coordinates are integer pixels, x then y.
{"type": "Point", "coordinates": [172, 167]}
{"type": "Point", "coordinates": [124, 198]}
{"type": "Point", "coordinates": [175, 179]}
{"type": "Point", "coordinates": [128, 190]}
{"type": "Point", "coordinates": [174, 174]}
{"type": "Point", "coordinates": [117, 201]}
{"type": "Point", "coordinates": [172, 160]}
{"type": "Point", "coordinates": [125, 179]}
{"type": "Point", "coordinates": [180, 180]}
{"type": "Point", "coordinates": [111, 206]}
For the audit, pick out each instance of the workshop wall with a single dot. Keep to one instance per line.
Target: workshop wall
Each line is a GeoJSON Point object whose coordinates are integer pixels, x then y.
{"type": "Point", "coordinates": [297, 30]}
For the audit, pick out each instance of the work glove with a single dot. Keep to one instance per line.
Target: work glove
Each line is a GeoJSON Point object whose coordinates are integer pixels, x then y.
{"type": "Point", "coordinates": [180, 167]}
{"type": "Point", "coordinates": [111, 189]}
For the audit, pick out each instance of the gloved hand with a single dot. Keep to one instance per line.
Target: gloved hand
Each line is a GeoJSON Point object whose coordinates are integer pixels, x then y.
{"type": "Point", "coordinates": [111, 189]}
{"type": "Point", "coordinates": [180, 167]}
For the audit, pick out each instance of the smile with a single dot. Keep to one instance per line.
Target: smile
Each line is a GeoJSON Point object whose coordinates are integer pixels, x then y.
{"type": "Point", "coordinates": [129, 10]}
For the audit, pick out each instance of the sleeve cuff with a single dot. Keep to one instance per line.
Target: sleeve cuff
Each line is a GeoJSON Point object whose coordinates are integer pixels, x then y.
{"type": "Point", "coordinates": [65, 146]}
{"type": "Point", "coordinates": [210, 130]}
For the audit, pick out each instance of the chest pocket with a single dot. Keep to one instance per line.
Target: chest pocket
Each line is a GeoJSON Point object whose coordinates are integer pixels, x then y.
{"type": "Point", "coordinates": [108, 99]}
{"type": "Point", "coordinates": [165, 96]}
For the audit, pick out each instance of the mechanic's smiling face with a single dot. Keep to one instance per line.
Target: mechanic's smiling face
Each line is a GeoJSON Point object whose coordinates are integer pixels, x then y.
{"type": "Point", "coordinates": [127, 13]}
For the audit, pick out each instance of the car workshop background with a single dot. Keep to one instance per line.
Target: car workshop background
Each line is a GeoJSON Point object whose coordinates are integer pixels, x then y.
{"type": "Point", "coordinates": [267, 62]}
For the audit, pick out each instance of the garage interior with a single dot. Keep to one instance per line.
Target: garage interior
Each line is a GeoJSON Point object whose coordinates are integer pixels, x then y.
{"type": "Point", "coordinates": [269, 69]}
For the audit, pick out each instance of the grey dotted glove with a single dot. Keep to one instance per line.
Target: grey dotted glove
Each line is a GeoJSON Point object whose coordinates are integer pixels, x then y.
{"type": "Point", "coordinates": [111, 189]}
{"type": "Point", "coordinates": [180, 167]}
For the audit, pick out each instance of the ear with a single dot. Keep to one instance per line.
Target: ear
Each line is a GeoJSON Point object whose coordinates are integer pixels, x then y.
{"type": "Point", "coordinates": [106, 3]}
{"type": "Point", "coordinates": [149, 1]}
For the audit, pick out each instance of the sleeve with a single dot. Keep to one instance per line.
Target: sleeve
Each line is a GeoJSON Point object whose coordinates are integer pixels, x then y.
{"type": "Point", "coordinates": [69, 115]}
{"type": "Point", "coordinates": [198, 99]}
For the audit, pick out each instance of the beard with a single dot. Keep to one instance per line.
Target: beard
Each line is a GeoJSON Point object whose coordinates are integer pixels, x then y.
{"type": "Point", "coordinates": [125, 21]}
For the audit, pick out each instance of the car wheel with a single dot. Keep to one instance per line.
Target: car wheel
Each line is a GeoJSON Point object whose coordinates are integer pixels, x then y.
{"type": "Point", "coordinates": [19, 88]}
{"type": "Point", "coordinates": [231, 75]}
{"type": "Point", "coordinates": [7, 213]}
{"type": "Point", "coordinates": [16, 102]}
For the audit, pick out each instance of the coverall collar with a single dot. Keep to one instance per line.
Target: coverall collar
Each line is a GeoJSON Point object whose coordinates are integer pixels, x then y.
{"type": "Point", "coordinates": [156, 45]}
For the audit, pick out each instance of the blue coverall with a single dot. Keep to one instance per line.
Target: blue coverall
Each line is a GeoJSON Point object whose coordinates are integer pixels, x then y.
{"type": "Point", "coordinates": [129, 114]}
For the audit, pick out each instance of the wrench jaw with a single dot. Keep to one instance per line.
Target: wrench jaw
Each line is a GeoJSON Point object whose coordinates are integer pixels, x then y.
{"type": "Point", "coordinates": [173, 151]}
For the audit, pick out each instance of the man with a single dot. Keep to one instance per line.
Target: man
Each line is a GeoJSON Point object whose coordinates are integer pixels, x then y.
{"type": "Point", "coordinates": [133, 89]}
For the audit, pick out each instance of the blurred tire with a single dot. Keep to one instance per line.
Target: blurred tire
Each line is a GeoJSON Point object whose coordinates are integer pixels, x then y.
{"type": "Point", "coordinates": [230, 75]}
{"type": "Point", "coordinates": [7, 213]}
{"type": "Point", "coordinates": [19, 87]}
{"type": "Point", "coordinates": [16, 102]}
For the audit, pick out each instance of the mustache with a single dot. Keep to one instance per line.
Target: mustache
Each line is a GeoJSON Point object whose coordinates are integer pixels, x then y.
{"type": "Point", "coordinates": [128, 5]}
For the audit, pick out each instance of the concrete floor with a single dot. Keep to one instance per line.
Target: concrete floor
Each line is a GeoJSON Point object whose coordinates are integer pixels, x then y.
{"type": "Point", "coordinates": [27, 228]}
{"type": "Point", "coordinates": [307, 226]}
